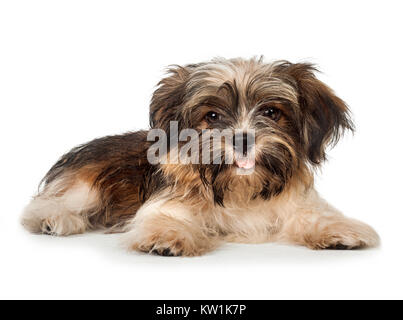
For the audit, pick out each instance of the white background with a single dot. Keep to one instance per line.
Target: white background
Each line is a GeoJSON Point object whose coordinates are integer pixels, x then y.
{"type": "Point", "coordinates": [71, 71]}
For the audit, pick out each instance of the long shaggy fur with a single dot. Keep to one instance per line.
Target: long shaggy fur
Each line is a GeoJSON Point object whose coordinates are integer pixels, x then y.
{"type": "Point", "coordinates": [189, 209]}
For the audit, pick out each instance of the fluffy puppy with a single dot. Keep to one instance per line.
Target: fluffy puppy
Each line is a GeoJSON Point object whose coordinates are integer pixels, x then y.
{"type": "Point", "coordinates": [189, 208]}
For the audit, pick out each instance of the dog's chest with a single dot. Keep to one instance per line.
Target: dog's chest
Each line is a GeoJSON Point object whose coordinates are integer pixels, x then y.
{"type": "Point", "coordinates": [254, 222]}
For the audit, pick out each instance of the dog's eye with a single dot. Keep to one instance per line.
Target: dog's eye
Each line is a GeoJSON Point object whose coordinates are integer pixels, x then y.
{"type": "Point", "coordinates": [212, 116]}
{"type": "Point", "coordinates": [272, 113]}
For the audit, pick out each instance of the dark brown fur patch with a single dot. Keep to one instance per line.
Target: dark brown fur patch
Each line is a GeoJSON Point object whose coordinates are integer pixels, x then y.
{"type": "Point", "coordinates": [117, 167]}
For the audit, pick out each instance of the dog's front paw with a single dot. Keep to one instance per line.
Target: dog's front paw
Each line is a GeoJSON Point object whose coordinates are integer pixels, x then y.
{"type": "Point", "coordinates": [341, 235]}
{"type": "Point", "coordinates": [167, 243]}
{"type": "Point", "coordinates": [165, 252]}
{"type": "Point", "coordinates": [167, 236]}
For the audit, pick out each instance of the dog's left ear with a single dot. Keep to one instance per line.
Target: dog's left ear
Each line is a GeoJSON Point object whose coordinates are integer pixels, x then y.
{"type": "Point", "coordinates": [324, 115]}
{"type": "Point", "coordinates": [168, 97]}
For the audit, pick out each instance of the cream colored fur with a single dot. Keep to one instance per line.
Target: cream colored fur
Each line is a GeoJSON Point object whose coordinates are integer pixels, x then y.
{"type": "Point", "coordinates": [297, 217]}
{"type": "Point", "coordinates": [60, 209]}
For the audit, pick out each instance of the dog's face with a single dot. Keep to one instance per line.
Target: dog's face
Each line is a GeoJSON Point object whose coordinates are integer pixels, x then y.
{"type": "Point", "coordinates": [293, 117]}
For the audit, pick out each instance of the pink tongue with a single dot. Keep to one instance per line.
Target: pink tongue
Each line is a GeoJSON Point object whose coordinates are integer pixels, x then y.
{"type": "Point", "coordinates": [245, 163]}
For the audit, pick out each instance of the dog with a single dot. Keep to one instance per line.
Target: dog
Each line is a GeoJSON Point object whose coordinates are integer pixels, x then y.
{"type": "Point", "coordinates": [189, 208]}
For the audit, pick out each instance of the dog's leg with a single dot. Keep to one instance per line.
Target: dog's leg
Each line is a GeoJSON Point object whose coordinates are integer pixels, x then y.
{"type": "Point", "coordinates": [61, 208]}
{"type": "Point", "coordinates": [317, 225]}
{"type": "Point", "coordinates": [168, 227]}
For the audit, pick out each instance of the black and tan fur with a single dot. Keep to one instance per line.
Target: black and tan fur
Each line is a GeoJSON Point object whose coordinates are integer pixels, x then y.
{"type": "Point", "coordinates": [189, 209]}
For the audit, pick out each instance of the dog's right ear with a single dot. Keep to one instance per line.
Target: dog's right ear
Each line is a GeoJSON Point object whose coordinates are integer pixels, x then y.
{"type": "Point", "coordinates": [168, 97]}
{"type": "Point", "coordinates": [325, 117]}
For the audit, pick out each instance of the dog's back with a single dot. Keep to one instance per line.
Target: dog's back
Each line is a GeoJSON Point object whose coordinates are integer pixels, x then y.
{"type": "Point", "coordinates": [100, 183]}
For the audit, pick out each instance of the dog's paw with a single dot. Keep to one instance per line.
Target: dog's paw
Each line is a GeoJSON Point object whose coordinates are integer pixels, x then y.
{"type": "Point", "coordinates": [167, 243]}
{"type": "Point", "coordinates": [55, 225]}
{"type": "Point", "coordinates": [166, 252]}
{"type": "Point", "coordinates": [166, 236]}
{"type": "Point", "coordinates": [163, 247]}
{"type": "Point", "coordinates": [50, 216]}
{"type": "Point", "coordinates": [343, 235]}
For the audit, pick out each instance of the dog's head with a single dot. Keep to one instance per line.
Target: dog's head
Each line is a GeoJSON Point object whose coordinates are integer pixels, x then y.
{"type": "Point", "coordinates": [280, 109]}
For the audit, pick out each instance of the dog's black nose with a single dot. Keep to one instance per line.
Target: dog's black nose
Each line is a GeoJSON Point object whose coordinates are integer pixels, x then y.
{"type": "Point", "coordinates": [243, 142]}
